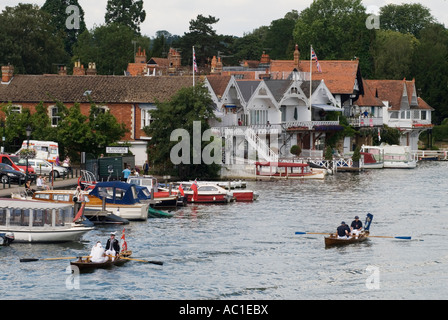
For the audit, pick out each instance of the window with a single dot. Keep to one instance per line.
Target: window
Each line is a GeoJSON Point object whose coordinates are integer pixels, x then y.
{"type": "Point", "coordinates": [16, 109]}
{"type": "Point", "coordinates": [54, 117]}
{"type": "Point", "coordinates": [258, 117]}
{"type": "Point", "coordinates": [423, 115]}
{"type": "Point", "coordinates": [146, 118]}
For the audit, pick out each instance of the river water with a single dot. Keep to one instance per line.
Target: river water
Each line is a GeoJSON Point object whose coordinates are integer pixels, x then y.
{"type": "Point", "coordinates": [249, 251]}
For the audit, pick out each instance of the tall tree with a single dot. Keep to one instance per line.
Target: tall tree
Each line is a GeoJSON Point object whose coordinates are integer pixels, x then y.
{"type": "Point", "coordinates": [29, 42]}
{"type": "Point", "coordinates": [126, 12]}
{"type": "Point", "coordinates": [405, 18]}
{"type": "Point", "coordinates": [337, 30]}
{"type": "Point", "coordinates": [110, 46]}
{"type": "Point", "coordinates": [393, 54]}
{"type": "Point", "coordinates": [185, 107]}
{"type": "Point", "coordinates": [279, 37]}
{"type": "Point", "coordinates": [430, 69]}
{"type": "Point", "coordinates": [67, 17]}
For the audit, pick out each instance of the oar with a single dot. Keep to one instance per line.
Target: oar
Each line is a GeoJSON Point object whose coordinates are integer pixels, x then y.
{"type": "Point", "coordinates": [300, 232]}
{"type": "Point", "coordinates": [160, 263]}
{"type": "Point", "coordinates": [390, 237]}
{"type": "Point", "coordinates": [49, 259]}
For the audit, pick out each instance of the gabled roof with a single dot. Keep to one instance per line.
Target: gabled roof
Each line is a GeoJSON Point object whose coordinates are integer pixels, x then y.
{"type": "Point", "coordinates": [218, 84]}
{"type": "Point", "coordinates": [339, 75]}
{"type": "Point", "coordinates": [368, 99]}
{"type": "Point", "coordinates": [103, 89]}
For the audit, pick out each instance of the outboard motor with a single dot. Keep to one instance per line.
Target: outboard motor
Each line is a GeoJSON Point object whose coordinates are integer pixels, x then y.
{"type": "Point", "coordinates": [6, 238]}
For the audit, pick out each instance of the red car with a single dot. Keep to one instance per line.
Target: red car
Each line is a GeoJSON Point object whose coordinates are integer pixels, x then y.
{"type": "Point", "coordinates": [18, 164]}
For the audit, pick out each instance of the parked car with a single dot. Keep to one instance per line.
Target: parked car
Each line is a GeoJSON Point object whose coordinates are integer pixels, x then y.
{"type": "Point", "coordinates": [46, 168]}
{"type": "Point", "coordinates": [13, 161]}
{"type": "Point", "coordinates": [20, 163]}
{"type": "Point", "coordinates": [9, 174]}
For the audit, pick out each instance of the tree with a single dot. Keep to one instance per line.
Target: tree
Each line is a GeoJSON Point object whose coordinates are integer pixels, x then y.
{"type": "Point", "coordinates": [62, 22]}
{"type": "Point", "coordinates": [393, 54]}
{"type": "Point", "coordinates": [279, 37]}
{"type": "Point", "coordinates": [405, 18]}
{"type": "Point", "coordinates": [430, 69]}
{"type": "Point", "coordinates": [110, 47]}
{"type": "Point", "coordinates": [337, 30]}
{"type": "Point", "coordinates": [185, 107]}
{"type": "Point", "coordinates": [127, 12]}
{"type": "Point", "coordinates": [28, 41]}
{"type": "Point", "coordinates": [203, 37]}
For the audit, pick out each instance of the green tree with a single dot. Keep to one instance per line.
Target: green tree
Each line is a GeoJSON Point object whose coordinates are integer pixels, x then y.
{"type": "Point", "coordinates": [337, 30]}
{"type": "Point", "coordinates": [393, 54]}
{"type": "Point", "coordinates": [186, 106]}
{"type": "Point", "coordinates": [127, 12]}
{"type": "Point", "coordinates": [59, 17]}
{"type": "Point", "coordinates": [405, 18]}
{"type": "Point", "coordinates": [279, 37]}
{"type": "Point", "coordinates": [430, 69]}
{"type": "Point", "coordinates": [203, 37]}
{"type": "Point", "coordinates": [28, 41]}
{"type": "Point", "coordinates": [110, 47]}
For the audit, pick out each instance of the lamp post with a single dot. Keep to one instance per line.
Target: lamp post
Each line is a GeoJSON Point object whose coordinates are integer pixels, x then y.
{"type": "Point", "coordinates": [28, 134]}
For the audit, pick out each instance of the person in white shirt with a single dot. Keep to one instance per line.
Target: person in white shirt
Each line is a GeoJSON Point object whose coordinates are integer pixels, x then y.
{"type": "Point", "coordinates": [39, 183]}
{"type": "Point", "coordinates": [97, 255]}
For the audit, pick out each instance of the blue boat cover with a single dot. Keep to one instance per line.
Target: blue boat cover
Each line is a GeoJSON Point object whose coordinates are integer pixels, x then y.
{"type": "Point", "coordinates": [116, 192]}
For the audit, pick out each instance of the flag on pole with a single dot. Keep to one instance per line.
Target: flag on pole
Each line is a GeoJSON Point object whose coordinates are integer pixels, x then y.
{"type": "Point", "coordinates": [181, 190]}
{"type": "Point", "coordinates": [80, 212]}
{"type": "Point", "coordinates": [314, 57]}
{"type": "Point", "coordinates": [194, 187]}
{"type": "Point", "coordinates": [124, 245]}
{"type": "Point", "coordinates": [195, 66]}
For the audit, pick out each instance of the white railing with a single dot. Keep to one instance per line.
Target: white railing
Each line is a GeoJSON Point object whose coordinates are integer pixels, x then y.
{"type": "Point", "coordinates": [261, 147]}
{"type": "Point", "coordinates": [366, 122]}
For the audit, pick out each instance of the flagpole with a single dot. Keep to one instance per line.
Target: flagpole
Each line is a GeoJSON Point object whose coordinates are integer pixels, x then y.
{"type": "Point", "coordinates": [311, 71]}
{"type": "Point", "coordinates": [193, 65]}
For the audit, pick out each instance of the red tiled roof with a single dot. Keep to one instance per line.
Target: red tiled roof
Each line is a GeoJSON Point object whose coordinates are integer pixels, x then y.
{"type": "Point", "coordinates": [104, 89]}
{"type": "Point", "coordinates": [368, 99]}
{"type": "Point", "coordinates": [339, 75]}
{"type": "Point", "coordinates": [218, 83]}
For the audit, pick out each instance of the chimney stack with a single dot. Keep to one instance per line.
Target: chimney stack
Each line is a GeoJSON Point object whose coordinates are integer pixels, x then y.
{"type": "Point", "coordinates": [140, 56]}
{"type": "Point", "coordinates": [63, 71]}
{"type": "Point", "coordinates": [7, 73]}
{"type": "Point", "coordinates": [78, 69]}
{"type": "Point", "coordinates": [297, 57]}
{"type": "Point", "coordinates": [91, 71]}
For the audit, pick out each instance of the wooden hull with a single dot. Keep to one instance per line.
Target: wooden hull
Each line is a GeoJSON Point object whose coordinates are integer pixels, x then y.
{"type": "Point", "coordinates": [333, 240]}
{"type": "Point", "coordinates": [85, 265]}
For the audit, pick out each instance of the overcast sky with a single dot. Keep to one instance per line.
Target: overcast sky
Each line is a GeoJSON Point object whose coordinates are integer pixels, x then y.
{"type": "Point", "coordinates": [236, 16]}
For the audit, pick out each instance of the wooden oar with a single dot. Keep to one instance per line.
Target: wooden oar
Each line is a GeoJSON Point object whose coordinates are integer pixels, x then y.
{"type": "Point", "coordinates": [160, 263]}
{"type": "Point", "coordinates": [300, 232]}
{"type": "Point", "coordinates": [390, 237]}
{"type": "Point", "coordinates": [49, 259]}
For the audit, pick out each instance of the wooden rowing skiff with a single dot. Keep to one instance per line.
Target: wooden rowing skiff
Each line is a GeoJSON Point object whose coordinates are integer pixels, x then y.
{"type": "Point", "coordinates": [87, 265]}
{"type": "Point", "coordinates": [332, 239]}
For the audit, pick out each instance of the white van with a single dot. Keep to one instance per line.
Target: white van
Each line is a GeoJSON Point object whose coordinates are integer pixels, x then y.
{"type": "Point", "coordinates": [48, 150]}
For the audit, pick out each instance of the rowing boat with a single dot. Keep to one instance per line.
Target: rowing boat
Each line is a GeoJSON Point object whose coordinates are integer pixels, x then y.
{"type": "Point", "coordinates": [333, 240]}
{"type": "Point", "coordinates": [155, 213]}
{"type": "Point", "coordinates": [84, 264]}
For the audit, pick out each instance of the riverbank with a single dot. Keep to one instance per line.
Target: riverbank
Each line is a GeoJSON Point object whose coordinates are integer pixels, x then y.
{"type": "Point", "coordinates": [60, 183]}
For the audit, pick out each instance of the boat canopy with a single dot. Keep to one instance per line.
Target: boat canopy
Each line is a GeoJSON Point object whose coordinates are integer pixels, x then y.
{"type": "Point", "coordinates": [116, 192]}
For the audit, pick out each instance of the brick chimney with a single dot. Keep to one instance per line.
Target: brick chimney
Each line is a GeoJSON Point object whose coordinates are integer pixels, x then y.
{"type": "Point", "coordinates": [174, 58]}
{"type": "Point", "coordinates": [91, 71]}
{"type": "Point", "coordinates": [140, 56]}
{"type": "Point", "coordinates": [265, 59]}
{"type": "Point", "coordinates": [296, 57]}
{"type": "Point", "coordinates": [62, 71]}
{"type": "Point", "coordinates": [78, 69]}
{"type": "Point", "coordinates": [7, 73]}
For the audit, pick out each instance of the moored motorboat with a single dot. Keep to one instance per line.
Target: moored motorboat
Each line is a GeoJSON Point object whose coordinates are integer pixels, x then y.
{"type": "Point", "coordinates": [206, 193]}
{"type": "Point", "coordinates": [287, 170]}
{"type": "Point", "coordinates": [6, 238]}
{"type": "Point", "coordinates": [155, 213]}
{"type": "Point", "coordinates": [36, 221]}
{"type": "Point", "coordinates": [163, 197]}
{"type": "Point", "coordinates": [239, 195]}
{"type": "Point", "coordinates": [95, 215]}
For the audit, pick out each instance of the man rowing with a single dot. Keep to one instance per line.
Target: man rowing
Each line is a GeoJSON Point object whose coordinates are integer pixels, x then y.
{"type": "Point", "coordinates": [343, 231]}
{"type": "Point", "coordinates": [356, 226]}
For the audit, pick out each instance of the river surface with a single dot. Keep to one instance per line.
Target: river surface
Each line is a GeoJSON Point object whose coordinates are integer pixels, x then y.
{"type": "Point", "coordinates": [250, 250]}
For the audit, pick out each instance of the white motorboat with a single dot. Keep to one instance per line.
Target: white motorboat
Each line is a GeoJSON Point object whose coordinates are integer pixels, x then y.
{"type": "Point", "coordinates": [37, 221]}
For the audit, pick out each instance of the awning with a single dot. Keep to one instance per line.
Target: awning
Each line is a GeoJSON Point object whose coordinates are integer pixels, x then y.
{"type": "Point", "coordinates": [326, 107]}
